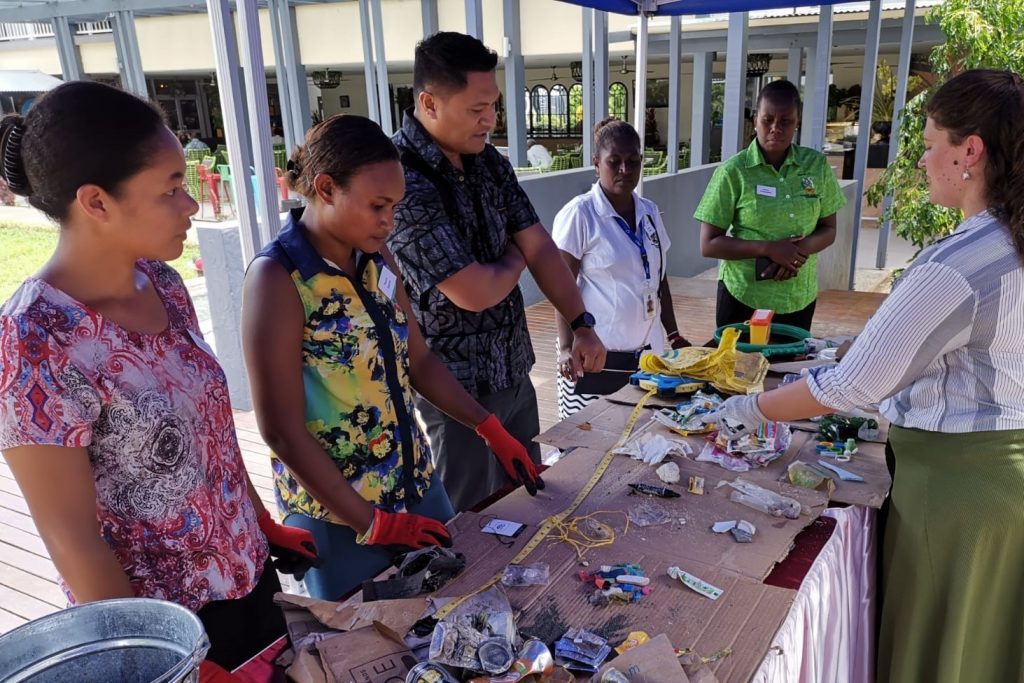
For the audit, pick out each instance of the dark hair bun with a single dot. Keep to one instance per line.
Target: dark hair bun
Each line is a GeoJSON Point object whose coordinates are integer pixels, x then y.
{"type": "Point", "coordinates": [12, 168]}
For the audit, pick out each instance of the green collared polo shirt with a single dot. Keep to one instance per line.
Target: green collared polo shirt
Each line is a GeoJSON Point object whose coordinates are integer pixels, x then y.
{"type": "Point", "coordinates": [759, 203]}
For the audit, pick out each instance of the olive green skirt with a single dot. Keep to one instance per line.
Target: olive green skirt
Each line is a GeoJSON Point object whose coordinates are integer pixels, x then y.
{"type": "Point", "coordinates": [953, 559]}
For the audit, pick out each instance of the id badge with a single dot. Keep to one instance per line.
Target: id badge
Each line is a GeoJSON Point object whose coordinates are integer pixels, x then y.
{"type": "Point", "coordinates": [386, 282]}
{"type": "Point", "coordinates": [650, 303]}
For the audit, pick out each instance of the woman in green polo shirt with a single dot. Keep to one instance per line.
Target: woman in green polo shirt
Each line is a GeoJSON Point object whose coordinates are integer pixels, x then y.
{"type": "Point", "coordinates": [780, 201]}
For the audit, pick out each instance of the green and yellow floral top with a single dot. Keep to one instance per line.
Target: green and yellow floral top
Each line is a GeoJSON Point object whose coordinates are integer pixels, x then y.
{"type": "Point", "coordinates": [355, 372]}
{"type": "Point", "coordinates": [759, 203]}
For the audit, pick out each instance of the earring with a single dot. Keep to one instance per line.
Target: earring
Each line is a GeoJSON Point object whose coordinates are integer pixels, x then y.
{"type": "Point", "coordinates": [966, 175]}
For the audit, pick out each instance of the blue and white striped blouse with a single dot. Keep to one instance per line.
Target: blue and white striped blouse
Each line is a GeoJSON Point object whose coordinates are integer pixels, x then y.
{"type": "Point", "coordinates": [945, 351]}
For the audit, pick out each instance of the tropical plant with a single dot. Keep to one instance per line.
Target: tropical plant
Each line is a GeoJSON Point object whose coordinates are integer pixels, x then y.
{"type": "Point", "coordinates": [979, 34]}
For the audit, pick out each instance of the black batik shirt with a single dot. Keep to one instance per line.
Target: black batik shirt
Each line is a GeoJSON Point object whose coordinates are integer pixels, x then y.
{"type": "Point", "coordinates": [487, 351]}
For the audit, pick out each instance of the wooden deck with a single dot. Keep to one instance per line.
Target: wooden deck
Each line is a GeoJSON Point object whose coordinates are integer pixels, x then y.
{"type": "Point", "coordinates": [28, 579]}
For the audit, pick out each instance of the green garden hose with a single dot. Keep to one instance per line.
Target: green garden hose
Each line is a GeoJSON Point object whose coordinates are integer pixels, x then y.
{"type": "Point", "coordinates": [794, 348]}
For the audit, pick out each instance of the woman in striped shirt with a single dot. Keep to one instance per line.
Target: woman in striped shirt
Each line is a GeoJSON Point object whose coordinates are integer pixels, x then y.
{"type": "Point", "coordinates": [945, 357]}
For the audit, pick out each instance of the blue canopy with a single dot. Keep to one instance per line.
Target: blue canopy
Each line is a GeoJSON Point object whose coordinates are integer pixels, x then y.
{"type": "Point", "coordinates": [685, 7]}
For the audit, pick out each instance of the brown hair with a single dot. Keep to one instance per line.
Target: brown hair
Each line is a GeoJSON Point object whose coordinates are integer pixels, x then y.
{"type": "Point", "coordinates": [615, 129]}
{"type": "Point", "coordinates": [339, 147]}
{"type": "Point", "coordinates": [990, 104]}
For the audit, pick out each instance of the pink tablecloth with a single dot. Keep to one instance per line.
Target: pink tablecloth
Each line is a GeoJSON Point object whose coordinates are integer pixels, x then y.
{"type": "Point", "coordinates": [829, 632]}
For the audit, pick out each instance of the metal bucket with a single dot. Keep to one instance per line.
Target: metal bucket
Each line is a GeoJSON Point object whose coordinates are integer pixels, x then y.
{"type": "Point", "coordinates": [131, 640]}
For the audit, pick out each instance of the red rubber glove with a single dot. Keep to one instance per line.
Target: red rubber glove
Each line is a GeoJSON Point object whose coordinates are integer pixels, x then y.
{"type": "Point", "coordinates": [293, 550]}
{"type": "Point", "coordinates": [407, 530]}
{"type": "Point", "coordinates": [214, 673]}
{"type": "Point", "coordinates": [511, 454]}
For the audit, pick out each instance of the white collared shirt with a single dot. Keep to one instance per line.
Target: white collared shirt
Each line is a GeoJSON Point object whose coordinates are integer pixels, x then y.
{"type": "Point", "coordinates": [612, 279]}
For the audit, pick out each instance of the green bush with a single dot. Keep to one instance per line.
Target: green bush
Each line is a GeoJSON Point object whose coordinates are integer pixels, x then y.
{"type": "Point", "coordinates": [979, 34]}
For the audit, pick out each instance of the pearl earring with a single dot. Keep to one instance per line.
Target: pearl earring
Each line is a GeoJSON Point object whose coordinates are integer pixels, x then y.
{"type": "Point", "coordinates": [966, 175]}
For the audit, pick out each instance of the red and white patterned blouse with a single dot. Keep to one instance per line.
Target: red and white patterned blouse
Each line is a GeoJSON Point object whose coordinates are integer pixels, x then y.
{"type": "Point", "coordinates": [154, 414]}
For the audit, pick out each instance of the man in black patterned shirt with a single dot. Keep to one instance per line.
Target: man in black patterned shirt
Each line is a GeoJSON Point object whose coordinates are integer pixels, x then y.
{"type": "Point", "coordinates": [463, 234]}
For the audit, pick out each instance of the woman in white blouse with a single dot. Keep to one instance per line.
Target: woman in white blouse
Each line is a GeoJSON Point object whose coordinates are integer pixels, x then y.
{"type": "Point", "coordinates": [615, 243]}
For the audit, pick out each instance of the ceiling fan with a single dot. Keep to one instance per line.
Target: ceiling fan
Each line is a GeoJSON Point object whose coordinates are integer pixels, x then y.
{"type": "Point", "coordinates": [553, 77]}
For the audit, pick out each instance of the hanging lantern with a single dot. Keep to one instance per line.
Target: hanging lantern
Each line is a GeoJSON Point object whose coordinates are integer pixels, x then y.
{"type": "Point", "coordinates": [757, 64]}
{"type": "Point", "coordinates": [576, 68]}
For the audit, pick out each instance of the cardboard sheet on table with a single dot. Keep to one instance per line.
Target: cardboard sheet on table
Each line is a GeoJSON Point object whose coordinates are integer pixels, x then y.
{"type": "Point", "coordinates": [653, 662]}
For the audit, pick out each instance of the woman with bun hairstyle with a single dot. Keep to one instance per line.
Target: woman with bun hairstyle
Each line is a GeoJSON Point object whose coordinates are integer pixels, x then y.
{"type": "Point", "coordinates": [114, 413]}
{"type": "Point", "coordinates": [334, 355]}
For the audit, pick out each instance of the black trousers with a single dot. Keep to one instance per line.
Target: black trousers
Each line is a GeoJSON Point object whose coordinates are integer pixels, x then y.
{"type": "Point", "coordinates": [240, 629]}
{"type": "Point", "coordinates": [730, 310]}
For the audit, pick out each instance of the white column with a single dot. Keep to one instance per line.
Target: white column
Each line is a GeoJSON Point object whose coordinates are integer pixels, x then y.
{"type": "Point", "coordinates": [475, 19]}
{"type": "Point", "coordinates": [515, 82]}
{"type": "Point", "coordinates": [428, 8]}
{"type": "Point", "coordinates": [298, 104]}
{"type": "Point", "coordinates": [251, 55]}
{"type": "Point", "coordinates": [733, 118]}
{"type": "Point", "coordinates": [589, 118]}
{"type": "Point", "coordinates": [816, 95]}
{"type": "Point", "coordinates": [286, 91]}
{"type": "Point", "coordinates": [675, 94]}
{"type": "Point", "coordinates": [129, 60]}
{"type": "Point", "coordinates": [222, 28]}
{"type": "Point", "coordinates": [366, 31]}
{"type": "Point", "coordinates": [902, 76]}
{"type": "Point", "coordinates": [700, 119]}
{"type": "Point", "coordinates": [640, 91]}
{"type": "Point", "coordinates": [794, 65]}
{"type": "Point", "coordinates": [601, 81]}
{"type": "Point", "coordinates": [383, 91]}
{"type": "Point", "coordinates": [67, 51]}
{"type": "Point", "coordinates": [867, 101]}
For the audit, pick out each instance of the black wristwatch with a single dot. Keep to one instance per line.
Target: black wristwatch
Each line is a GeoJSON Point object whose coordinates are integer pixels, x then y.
{"type": "Point", "coordinates": [584, 319]}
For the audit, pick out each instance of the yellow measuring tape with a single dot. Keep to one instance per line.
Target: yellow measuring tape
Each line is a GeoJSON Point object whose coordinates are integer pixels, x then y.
{"type": "Point", "coordinates": [551, 522]}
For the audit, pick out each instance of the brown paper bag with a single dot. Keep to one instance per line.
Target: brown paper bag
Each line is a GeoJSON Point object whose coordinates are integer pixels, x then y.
{"type": "Point", "coordinates": [366, 656]}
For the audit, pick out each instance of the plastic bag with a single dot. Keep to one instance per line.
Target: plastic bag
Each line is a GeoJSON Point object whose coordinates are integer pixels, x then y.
{"type": "Point", "coordinates": [768, 502]}
{"type": "Point", "coordinates": [649, 514]}
{"type": "Point", "coordinates": [480, 634]}
{"type": "Point", "coordinates": [726, 368]}
{"type": "Point", "coordinates": [803, 475]}
{"type": "Point", "coordinates": [537, 574]}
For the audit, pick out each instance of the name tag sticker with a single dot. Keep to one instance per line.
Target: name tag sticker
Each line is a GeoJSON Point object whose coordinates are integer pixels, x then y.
{"type": "Point", "coordinates": [766, 190]}
{"type": "Point", "coordinates": [386, 282]}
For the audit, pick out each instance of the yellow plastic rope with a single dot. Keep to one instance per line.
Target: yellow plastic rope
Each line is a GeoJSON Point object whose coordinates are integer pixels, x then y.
{"type": "Point", "coordinates": [568, 531]}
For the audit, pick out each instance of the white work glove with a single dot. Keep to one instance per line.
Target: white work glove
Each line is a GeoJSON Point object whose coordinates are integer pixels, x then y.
{"type": "Point", "coordinates": [739, 416]}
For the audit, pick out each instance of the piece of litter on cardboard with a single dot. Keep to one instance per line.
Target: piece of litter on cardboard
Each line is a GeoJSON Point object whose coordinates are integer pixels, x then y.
{"type": "Point", "coordinates": [723, 527]}
{"type": "Point", "coordinates": [743, 532]}
{"type": "Point", "coordinates": [696, 485]}
{"type": "Point", "coordinates": [668, 473]}
{"type": "Point", "coordinates": [695, 584]}
{"type": "Point", "coordinates": [584, 426]}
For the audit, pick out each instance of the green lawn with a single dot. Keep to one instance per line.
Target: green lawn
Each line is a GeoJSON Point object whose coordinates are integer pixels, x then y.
{"type": "Point", "coordinates": [24, 248]}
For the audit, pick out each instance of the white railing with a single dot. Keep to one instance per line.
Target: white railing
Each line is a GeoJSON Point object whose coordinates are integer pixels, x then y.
{"type": "Point", "coordinates": [25, 31]}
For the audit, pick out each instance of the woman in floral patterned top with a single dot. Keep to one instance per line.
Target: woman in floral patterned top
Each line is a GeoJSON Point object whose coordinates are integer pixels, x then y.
{"type": "Point", "coordinates": [333, 361]}
{"type": "Point", "coordinates": [114, 413]}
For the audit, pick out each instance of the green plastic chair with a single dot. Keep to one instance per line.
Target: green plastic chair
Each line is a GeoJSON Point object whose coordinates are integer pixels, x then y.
{"type": "Point", "coordinates": [192, 178]}
{"type": "Point", "coordinates": [662, 167]}
{"type": "Point", "coordinates": [560, 162]}
{"type": "Point", "coordinates": [576, 160]}
{"type": "Point", "coordinates": [224, 171]}
{"type": "Point", "coordinates": [280, 157]}
{"type": "Point", "coordinates": [195, 154]}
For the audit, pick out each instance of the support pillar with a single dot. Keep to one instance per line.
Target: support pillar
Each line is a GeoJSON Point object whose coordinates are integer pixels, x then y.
{"type": "Point", "coordinates": [733, 118]}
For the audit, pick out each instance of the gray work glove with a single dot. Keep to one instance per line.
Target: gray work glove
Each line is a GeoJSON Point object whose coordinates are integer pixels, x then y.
{"type": "Point", "coordinates": [739, 416]}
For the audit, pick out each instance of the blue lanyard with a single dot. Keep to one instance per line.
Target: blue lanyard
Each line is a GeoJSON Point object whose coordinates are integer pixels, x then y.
{"type": "Point", "coordinates": [638, 239]}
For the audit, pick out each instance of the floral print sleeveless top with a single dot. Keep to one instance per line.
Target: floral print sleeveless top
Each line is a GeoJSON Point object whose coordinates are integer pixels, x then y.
{"type": "Point", "coordinates": [355, 362]}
